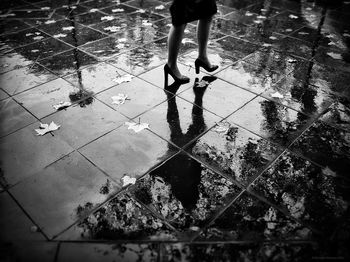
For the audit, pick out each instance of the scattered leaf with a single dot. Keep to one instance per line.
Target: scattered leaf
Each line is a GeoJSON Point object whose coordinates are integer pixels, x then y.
{"type": "Point", "coordinates": [346, 35]}
{"type": "Point", "coordinates": [248, 13]}
{"type": "Point", "coordinates": [202, 83]}
{"type": "Point", "coordinates": [289, 30]}
{"type": "Point", "coordinates": [267, 45]}
{"type": "Point", "coordinates": [45, 128]}
{"type": "Point", "coordinates": [141, 11]}
{"type": "Point", "coordinates": [187, 40]}
{"type": "Point", "coordinates": [221, 127]}
{"type": "Point", "coordinates": [160, 7]}
{"type": "Point", "coordinates": [93, 10]}
{"type": "Point", "coordinates": [107, 18]}
{"type": "Point", "coordinates": [62, 105]}
{"type": "Point", "coordinates": [35, 50]}
{"type": "Point", "coordinates": [291, 60]}
{"type": "Point", "coordinates": [118, 10]}
{"type": "Point", "coordinates": [293, 16]}
{"type": "Point", "coordinates": [29, 34]}
{"type": "Point", "coordinates": [119, 99]}
{"type": "Point", "coordinates": [45, 8]}
{"type": "Point", "coordinates": [272, 37]}
{"type": "Point", "coordinates": [261, 17]}
{"type": "Point", "coordinates": [50, 22]}
{"type": "Point", "coordinates": [277, 95]}
{"type": "Point", "coordinates": [38, 37]}
{"type": "Point", "coordinates": [67, 28]}
{"type": "Point", "coordinates": [194, 228]}
{"type": "Point", "coordinates": [137, 127]}
{"type": "Point", "coordinates": [258, 21]}
{"type": "Point", "coordinates": [263, 10]}
{"type": "Point", "coordinates": [122, 79]}
{"type": "Point", "coordinates": [112, 28]}
{"type": "Point", "coordinates": [146, 23]}
{"type": "Point", "coordinates": [59, 35]}
{"type": "Point", "coordinates": [303, 33]}
{"type": "Point", "coordinates": [329, 172]}
{"type": "Point", "coordinates": [335, 55]}
{"type": "Point", "coordinates": [127, 180]}
{"type": "Point", "coordinates": [122, 40]}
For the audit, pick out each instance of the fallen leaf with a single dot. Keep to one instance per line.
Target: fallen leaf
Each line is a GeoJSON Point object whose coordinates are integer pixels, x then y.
{"type": "Point", "coordinates": [291, 60]}
{"type": "Point", "coordinates": [45, 8]}
{"type": "Point", "coordinates": [289, 30]}
{"type": "Point", "coordinates": [221, 127]}
{"type": "Point", "coordinates": [107, 18]}
{"type": "Point", "coordinates": [35, 50]}
{"type": "Point", "coordinates": [59, 35]}
{"type": "Point", "coordinates": [45, 128]}
{"type": "Point", "coordinates": [117, 10]}
{"type": "Point", "coordinates": [272, 37]}
{"type": "Point", "coordinates": [38, 37]}
{"type": "Point", "coordinates": [329, 172]}
{"type": "Point", "coordinates": [346, 35]}
{"type": "Point", "coordinates": [277, 95]}
{"type": "Point", "coordinates": [293, 16]}
{"type": "Point", "coordinates": [303, 33]}
{"type": "Point", "coordinates": [194, 228]}
{"type": "Point", "coordinates": [122, 79]}
{"type": "Point", "coordinates": [335, 55]}
{"type": "Point", "coordinates": [67, 28]}
{"type": "Point", "coordinates": [62, 105]}
{"type": "Point", "coordinates": [160, 7]}
{"type": "Point", "coordinates": [248, 13]}
{"type": "Point", "coordinates": [127, 180]}
{"type": "Point", "coordinates": [122, 40]}
{"type": "Point", "coordinates": [141, 11]}
{"type": "Point", "coordinates": [263, 10]}
{"type": "Point", "coordinates": [112, 28]}
{"type": "Point", "coordinates": [93, 10]}
{"type": "Point", "coordinates": [187, 40]}
{"type": "Point", "coordinates": [146, 23]}
{"type": "Point", "coordinates": [137, 127]}
{"type": "Point", "coordinates": [50, 22]}
{"type": "Point", "coordinates": [119, 99]}
{"type": "Point", "coordinates": [202, 83]}
{"type": "Point", "coordinates": [258, 21]}
{"type": "Point", "coordinates": [267, 45]}
{"type": "Point", "coordinates": [29, 34]}
{"type": "Point", "coordinates": [261, 17]}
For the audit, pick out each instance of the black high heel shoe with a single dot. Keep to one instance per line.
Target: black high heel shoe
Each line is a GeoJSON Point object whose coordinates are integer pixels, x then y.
{"type": "Point", "coordinates": [199, 63]}
{"type": "Point", "coordinates": [180, 80]}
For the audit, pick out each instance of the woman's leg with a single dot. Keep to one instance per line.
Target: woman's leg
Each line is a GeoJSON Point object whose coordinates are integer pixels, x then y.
{"type": "Point", "coordinates": [203, 29]}
{"type": "Point", "coordinates": [174, 43]}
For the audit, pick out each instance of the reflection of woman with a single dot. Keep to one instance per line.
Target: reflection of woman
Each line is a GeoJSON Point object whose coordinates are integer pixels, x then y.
{"type": "Point", "coordinates": [182, 172]}
{"type": "Point", "coordinates": [183, 12]}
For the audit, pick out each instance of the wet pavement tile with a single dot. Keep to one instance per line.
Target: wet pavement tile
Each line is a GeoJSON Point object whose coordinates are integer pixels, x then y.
{"type": "Point", "coordinates": [179, 121]}
{"type": "Point", "coordinates": [137, 61]}
{"type": "Point", "coordinates": [71, 32]}
{"type": "Point", "coordinates": [68, 62]}
{"type": "Point", "coordinates": [93, 16]}
{"type": "Point", "coordinates": [236, 47]}
{"type": "Point", "coordinates": [237, 153]}
{"type": "Point", "coordinates": [325, 145]}
{"type": "Point", "coordinates": [102, 3]}
{"type": "Point", "coordinates": [41, 99]}
{"type": "Point", "coordinates": [313, 195]}
{"type": "Point", "coordinates": [220, 97]}
{"type": "Point", "coordinates": [16, 81]}
{"type": "Point", "coordinates": [11, 26]}
{"type": "Point", "coordinates": [69, 11]}
{"type": "Point", "coordinates": [14, 223]}
{"type": "Point", "coordinates": [334, 34]}
{"type": "Point", "coordinates": [249, 219]}
{"type": "Point", "coordinates": [294, 47]}
{"type": "Point", "coordinates": [32, 13]}
{"type": "Point", "coordinates": [43, 49]}
{"type": "Point", "coordinates": [23, 37]}
{"type": "Point", "coordinates": [237, 4]}
{"type": "Point", "coordinates": [118, 10]}
{"type": "Point", "coordinates": [145, 4]}
{"type": "Point", "coordinates": [90, 252]}
{"type": "Point", "coordinates": [13, 117]}
{"type": "Point", "coordinates": [63, 190]}
{"type": "Point", "coordinates": [95, 120]}
{"type": "Point", "coordinates": [127, 152]}
{"type": "Point", "coordinates": [23, 153]}
{"type": "Point", "coordinates": [10, 59]}
{"type": "Point", "coordinates": [30, 251]}
{"type": "Point", "coordinates": [338, 114]}
{"type": "Point", "coordinates": [142, 97]}
{"type": "Point", "coordinates": [332, 57]}
{"type": "Point", "coordinates": [3, 95]}
{"type": "Point", "coordinates": [224, 26]}
{"type": "Point", "coordinates": [306, 33]}
{"type": "Point", "coordinates": [121, 218]}
{"type": "Point", "coordinates": [95, 78]}
{"type": "Point", "coordinates": [273, 121]}
{"type": "Point", "coordinates": [184, 192]}
{"type": "Point", "coordinates": [253, 77]}
{"type": "Point", "coordinates": [139, 19]}
{"type": "Point", "coordinates": [221, 252]}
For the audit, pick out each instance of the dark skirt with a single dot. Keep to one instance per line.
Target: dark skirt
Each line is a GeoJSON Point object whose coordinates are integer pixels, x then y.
{"type": "Point", "coordinates": [185, 11]}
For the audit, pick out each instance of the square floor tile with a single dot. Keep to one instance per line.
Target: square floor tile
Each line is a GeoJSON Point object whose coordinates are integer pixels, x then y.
{"type": "Point", "coordinates": [8, 26]}
{"type": "Point", "coordinates": [14, 223]}
{"type": "Point", "coordinates": [11, 59]}
{"type": "Point", "coordinates": [235, 152]}
{"type": "Point", "coordinates": [327, 146]}
{"type": "Point", "coordinates": [179, 121]}
{"type": "Point", "coordinates": [272, 121]}
{"type": "Point", "coordinates": [13, 117]}
{"type": "Point", "coordinates": [126, 152]}
{"type": "Point", "coordinates": [22, 79]}
{"type": "Point", "coordinates": [311, 194]}
{"type": "Point", "coordinates": [3, 95]}
{"type": "Point", "coordinates": [250, 219]}
{"type": "Point", "coordinates": [24, 153]}
{"type": "Point", "coordinates": [93, 16]}
{"type": "Point", "coordinates": [95, 78]}
{"type": "Point", "coordinates": [219, 97]}
{"type": "Point", "coordinates": [68, 62]}
{"type": "Point", "coordinates": [80, 125]}
{"type": "Point", "coordinates": [142, 97]}
{"type": "Point", "coordinates": [40, 100]}
{"type": "Point", "coordinates": [236, 47]}
{"type": "Point", "coordinates": [43, 251]}
{"type": "Point", "coordinates": [184, 193]}
{"type": "Point", "coordinates": [122, 218]}
{"type": "Point", "coordinates": [338, 114]}
{"type": "Point", "coordinates": [55, 196]}
{"type": "Point", "coordinates": [23, 37]}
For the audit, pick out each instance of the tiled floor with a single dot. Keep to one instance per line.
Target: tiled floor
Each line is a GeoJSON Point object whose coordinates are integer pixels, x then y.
{"type": "Point", "coordinates": [248, 164]}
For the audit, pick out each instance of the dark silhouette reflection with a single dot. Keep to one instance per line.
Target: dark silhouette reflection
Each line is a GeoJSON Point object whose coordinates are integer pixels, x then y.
{"type": "Point", "coordinates": [182, 172]}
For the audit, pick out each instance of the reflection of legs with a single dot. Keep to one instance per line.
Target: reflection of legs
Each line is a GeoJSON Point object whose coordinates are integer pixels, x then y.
{"type": "Point", "coordinates": [174, 42]}
{"type": "Point", "coordinates": [203, 29]}
{"type": "Point", "coordinates": [174, 122]}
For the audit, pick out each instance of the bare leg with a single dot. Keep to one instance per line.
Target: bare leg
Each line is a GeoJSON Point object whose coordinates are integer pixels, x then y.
{"type": "Point", "coordinates": [174, 42]}
{"type": "Point", "coordinates": [203, 28]}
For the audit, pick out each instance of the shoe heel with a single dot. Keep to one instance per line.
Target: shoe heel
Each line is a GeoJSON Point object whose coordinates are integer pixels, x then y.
{"type": "Point", "coordinates": [197, 69]}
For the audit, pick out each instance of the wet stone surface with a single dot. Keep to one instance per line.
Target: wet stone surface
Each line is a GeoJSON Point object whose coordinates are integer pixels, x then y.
{"type": "Point", "coordinates": [120, 218]}
{"type": "Point", "coordinates": [326, 146]}
{"type": "Point", "coordinates": [184, 192]}
{"type": "Point", "coordinates": [251, 219]}
{"type": "Point", "coordinates": [311, 194]}
{"type": "Point", "coordinates": [233, 151]}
